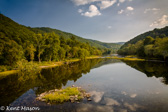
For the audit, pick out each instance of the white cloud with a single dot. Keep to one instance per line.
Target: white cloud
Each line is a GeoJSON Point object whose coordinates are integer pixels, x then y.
{"type": "Point", "coordinates": [80, 10]}
{"type": "Point", "coordinates": [160, 22]}
{"type": "Point", "coordinates": [154, 10]}
{"type": "Point", "coordinates": [93, 11]}
{"type": "Point", "coordinates": [128, 11]}
{"type": "Point", "coordinates": [105, 4]}
{"type": "Point", "coordinates": [130, 8]}
{"type": "Point", "coordinates": [121, 1]}
{"type": "Point", "coordinates": [83, 2]}
{"type": "Point", "coordinates": [121, 11]}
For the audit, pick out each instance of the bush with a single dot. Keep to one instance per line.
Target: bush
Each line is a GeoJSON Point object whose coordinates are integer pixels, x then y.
{"type": "Point", "coordinates": [27, 67]}
{"type": "Point", "coordinates": [3, 68]}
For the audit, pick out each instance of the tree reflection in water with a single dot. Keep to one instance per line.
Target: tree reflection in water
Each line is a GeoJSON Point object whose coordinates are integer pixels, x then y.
{"type": "Point", "coordinates": [157, 69]}
{"type": "Point", "coordinates": [15, 85]}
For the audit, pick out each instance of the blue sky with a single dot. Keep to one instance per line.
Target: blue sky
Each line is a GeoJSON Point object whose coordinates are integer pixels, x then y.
{"type": "Point", "coordinates": [103, 20]}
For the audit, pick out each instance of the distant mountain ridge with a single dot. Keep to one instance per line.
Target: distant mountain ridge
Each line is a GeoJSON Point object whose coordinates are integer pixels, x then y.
{"type": "Point", "coordinates": [162, 32]}
{"type": "Point", "coordinates": [66, 35]}
{"type": "Point", "coordinates": [27, 32]}
{"type": "Point", "coordinates": [150, 45]}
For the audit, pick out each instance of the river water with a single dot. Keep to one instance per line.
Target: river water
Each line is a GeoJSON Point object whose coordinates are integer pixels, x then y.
{"type": "Point", "coordinates": [115, 86]}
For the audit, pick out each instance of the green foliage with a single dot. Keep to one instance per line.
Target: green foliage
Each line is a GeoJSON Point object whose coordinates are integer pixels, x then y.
{"type": "Point", "coordinates": [61, 53]}
{"type": "Point", "coordinates": [149, 48]}
{"type": "Point", "coordinates": [152, 44]}
{"type": "Point", "coordinates": [83, 53]}
{"type": "Point", "coordinates": [18, 42]}
{"type": "Point", "coordinates": [31, 49]}
{"type": "Point", "coordinates": [3, 68]}
{"type": "Point", "coordinates": [26, 67]}
{"type": "Point", "coordinates": [56, 97]}
{"type": "Point", "coordinates": [62, 95]}
{"type": "Point", "coordinates": [161, 33]}
{"type": "Point", "coordinates": [71, 91]}
{"type": "Point", "coordinates": [101, 45]}
{"type": "Point", "coordinates": [148, 40]}
{"type": "Point", "coordinates": [52, 43]}
{"type": "Point", "coordinates": [10, 52]}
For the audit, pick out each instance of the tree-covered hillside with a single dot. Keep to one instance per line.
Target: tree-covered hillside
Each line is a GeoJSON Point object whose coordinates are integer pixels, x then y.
{"type": "Point", "coordinates": [163, 32]}
{"type": "Point", "coordinates": [153, 44]}
{"type": "Point", "coordinates": [18, 42]}
{"type": "Point", "coordinates": [95, 43]}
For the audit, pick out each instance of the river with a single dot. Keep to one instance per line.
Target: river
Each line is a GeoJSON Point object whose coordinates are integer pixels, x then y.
{"type": "Point", "coordinates": [115, 86]}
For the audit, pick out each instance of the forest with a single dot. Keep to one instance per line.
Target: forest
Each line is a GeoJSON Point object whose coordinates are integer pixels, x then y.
{"type": "Point", "coordinates": [151, 45]}
{"type": "Point", "coordinates": [18, 42]}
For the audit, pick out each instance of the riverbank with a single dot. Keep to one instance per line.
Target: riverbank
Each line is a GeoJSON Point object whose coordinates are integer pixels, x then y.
{"type": "Point", "coordinates": [128, 58]}
{"type": "Point", "coordinates": [135, 58]}
{"type": "Point", "coordinates": [45, 64]}
{"type": "Point", "coordinates": [59, 63]}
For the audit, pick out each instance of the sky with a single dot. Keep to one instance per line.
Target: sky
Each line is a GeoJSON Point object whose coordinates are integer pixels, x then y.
{"type": "Point", "coordinates": [103, 20]}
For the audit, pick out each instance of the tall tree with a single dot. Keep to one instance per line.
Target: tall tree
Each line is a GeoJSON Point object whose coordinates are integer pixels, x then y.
{"type": "Point", "coordinates": [53, 44]}
{"type": "Point", "coordinates": [31, 49]}
{"type": "Point", "coordinates": [41, 44]}
{"type": "Point", "coordinates": [61, 53]}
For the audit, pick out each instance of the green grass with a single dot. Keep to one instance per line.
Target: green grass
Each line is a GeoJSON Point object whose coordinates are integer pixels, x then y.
{"type": "Point", "coordinates": [131, 56]}
{"type": "Point", "coordinates": [71, 91]}
{"type": "Point", "coordinates": [7, 70]}
{"type": "Point", "coordinates": [56, 97]}
{"type": "Point", "coordinates": [6, 73]}
{"type": "Point", "coordinates": [127, 58]}
{"type": "Point", "coordinates": [62, 95]}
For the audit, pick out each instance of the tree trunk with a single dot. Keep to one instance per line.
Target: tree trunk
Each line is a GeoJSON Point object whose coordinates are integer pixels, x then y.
{"type": "Point", "coordinates": [50, 58]}
{"type": "Point", "coordinates": [39, 58]}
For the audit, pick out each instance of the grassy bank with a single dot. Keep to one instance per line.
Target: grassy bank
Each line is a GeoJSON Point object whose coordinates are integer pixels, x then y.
{"type": "Point", "coordinates": [6, 73]}
{"type": "Point", "coordinates": [46, 64]}
{"type": "Point", "coordinates": [128, 58]}
{"type": "Point", "coordinates": [59, 63]}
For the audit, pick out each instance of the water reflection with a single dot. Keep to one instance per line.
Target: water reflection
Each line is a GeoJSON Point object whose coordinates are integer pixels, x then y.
{"type": "Point", "coordinates": [133, 107]}
{"type": "Point", "coordinates": [97, 96]}
{"type": "Point", "coordinates": [13, 86]}
{"type": "Point", "coordinates": [114, 86]}
{"type": "Point", "coordinates": [110, 101]}
{"type": "Point", "coordinates": [94, 108]}
{"type": "Point", "coordinates": [57, 77]}
{"type": "Point", "coordinates": [151, 69]}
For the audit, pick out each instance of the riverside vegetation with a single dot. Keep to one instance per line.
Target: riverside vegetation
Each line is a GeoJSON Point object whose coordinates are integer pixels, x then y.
{"type": "Point", "coordinates": [151, 45]}
{"type": "Point", "coordinates": [19, 43]}
{"type": "Point", "coordinates": [48, 79]}
{"type": "Point", "coordinates": [127, 58]}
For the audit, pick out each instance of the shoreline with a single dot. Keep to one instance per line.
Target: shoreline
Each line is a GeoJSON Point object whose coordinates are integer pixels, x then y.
{"type": "Point", "coordinates": [128, 58]}
{"type": "Point", "coordinates": [44, 65]}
